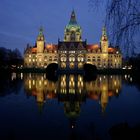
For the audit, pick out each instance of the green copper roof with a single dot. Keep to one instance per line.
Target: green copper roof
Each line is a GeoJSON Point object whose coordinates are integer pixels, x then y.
{"type": "Point", "coordinates": [104, 31]}
{"type": "Point", "coordinates": [73, 22]}
{"type": "Point", "coordinates": [41, 31]}
{"type": "Point", "coordinates": [73, 18]}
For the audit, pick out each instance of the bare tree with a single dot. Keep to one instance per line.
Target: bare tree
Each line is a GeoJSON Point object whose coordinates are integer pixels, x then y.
{"type": "Point", "coordinates": [123, 23]}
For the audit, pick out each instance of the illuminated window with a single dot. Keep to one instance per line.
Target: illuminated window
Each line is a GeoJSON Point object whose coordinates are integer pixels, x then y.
{"type": "Point", "coordinates": [93, 58]}
{"type": "Point", "coordinates": [98, 58]}
{"type": "Point", "coordinates": [71, 65]}
{"type": "Point", "coordinates": [65, 59]}
{"type": "Point", "coordinates": [50, 59]}
{"type": "Point", "coordinates": [63, 65]}
{"type": "Point", "coordinates": [70, 59]}
{"type": "Point", "coordinates": [78, 58]}
{"type": "Point", "coordinates": [73, 59]}
{"type": "Point", "coordinates": [61, 59]}
{"type": "Point", "coordinates": [80, 65]}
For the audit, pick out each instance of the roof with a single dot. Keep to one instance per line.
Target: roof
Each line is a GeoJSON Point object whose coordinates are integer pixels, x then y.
{"type": "Point", "coordinates": [73, 23]}
{"type": "Point", "coordinates": [112, 50]}
{"type": "Point", "coordinates": [72, 45]}
{"type": "Point", "coordinates": [51, 47]}
{"type": "Point", "coordinates": [73, 18]}
{"type": "Point", "coordinates": [92, 47]}
{"type": "Point", "coordinates": [34, 50]}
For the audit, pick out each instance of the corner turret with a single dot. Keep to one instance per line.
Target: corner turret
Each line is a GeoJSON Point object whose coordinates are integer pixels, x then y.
{"type": "Point", "coordinates": [40, 41]}
{"type": "Point", "coordinates": [104, 41]}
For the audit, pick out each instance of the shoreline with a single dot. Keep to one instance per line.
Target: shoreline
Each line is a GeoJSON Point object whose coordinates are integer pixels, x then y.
{"type": "Point", "coordinates": [101, 71]}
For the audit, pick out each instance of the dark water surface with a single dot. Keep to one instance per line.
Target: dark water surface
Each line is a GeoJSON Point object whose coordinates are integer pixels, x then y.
{"type": "Point", "coordinates": [69, 108]}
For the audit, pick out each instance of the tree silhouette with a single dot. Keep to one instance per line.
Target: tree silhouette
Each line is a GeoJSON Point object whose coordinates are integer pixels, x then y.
{"type": "Point", "coordinates": [123, 22]}
{"type": "Point", "coordinates": [10, 57]}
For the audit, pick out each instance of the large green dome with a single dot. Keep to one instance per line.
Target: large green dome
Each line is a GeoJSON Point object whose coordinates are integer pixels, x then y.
{"type": "Point", "coordinates": [73, 31]}
{"type": "Point", "coordinates": [73, 25]}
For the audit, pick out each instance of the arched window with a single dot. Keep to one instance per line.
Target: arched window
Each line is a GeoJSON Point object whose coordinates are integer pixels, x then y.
{"type": "Point", "coordinates": [93, 58]}
{"type": "Point", "coordinates": [73, 36]}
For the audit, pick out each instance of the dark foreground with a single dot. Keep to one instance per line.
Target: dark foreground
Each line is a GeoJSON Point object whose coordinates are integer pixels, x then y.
{"type": "Point", "coordinates": [69, 107]}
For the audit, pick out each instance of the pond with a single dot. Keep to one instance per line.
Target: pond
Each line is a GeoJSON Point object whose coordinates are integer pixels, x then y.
{"type": "Point", "coordinates": [68, 107]}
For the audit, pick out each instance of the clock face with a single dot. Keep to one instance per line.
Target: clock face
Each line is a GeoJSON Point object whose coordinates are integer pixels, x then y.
{"type": "Point", "coordinates": [41, 38]}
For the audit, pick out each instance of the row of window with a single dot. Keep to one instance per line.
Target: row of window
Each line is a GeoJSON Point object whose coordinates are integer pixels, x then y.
{"type": "Point", "coordinates": [72, 59]}
{"type": "Point", "coordinates": [50, 59]}
{"type": "Point", "coordinates": [72, 51]}
{"type": "Point", "coordinates": [114, 55]}
{"type": "Point", "coordinates": [35, 56]}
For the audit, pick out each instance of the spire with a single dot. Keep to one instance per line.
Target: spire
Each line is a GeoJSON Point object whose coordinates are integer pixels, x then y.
{"type": "Point", "coordinates": [41, 31]}
{"type": "Point", "coordinates": [73, 18]}
{"type": "Point", "coordinates": [40, 35]}
{"type": "Point", "coordinates": [104, 31]}
{"type": "Point", "coordinates": [104, 34]}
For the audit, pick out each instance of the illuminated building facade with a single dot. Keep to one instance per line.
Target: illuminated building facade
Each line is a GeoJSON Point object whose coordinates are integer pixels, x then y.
{"type": "Point", "coordinates": [72, 53]}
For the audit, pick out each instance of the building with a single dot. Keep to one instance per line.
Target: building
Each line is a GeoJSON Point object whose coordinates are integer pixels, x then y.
{"type": "Point", "coordinates": [73, 52]}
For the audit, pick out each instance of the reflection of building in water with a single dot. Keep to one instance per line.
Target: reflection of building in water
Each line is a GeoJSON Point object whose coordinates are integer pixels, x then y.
{"type": "Point", "coordinates": [40, 87]}
{"type": "Point", "coordinates": [71, 84]}
{"type": "Point", "coordinates": [72, 90]}
{"type": "Point", "coordinates": [103, 88]}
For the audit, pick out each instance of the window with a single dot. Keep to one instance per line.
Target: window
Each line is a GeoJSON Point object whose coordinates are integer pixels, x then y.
{"type": "Point", "coordinates": [50, 58]}
{"type": "Point", "coordinates": [93, 58]}
{"type": "Point", "coordinates": [98, 58]}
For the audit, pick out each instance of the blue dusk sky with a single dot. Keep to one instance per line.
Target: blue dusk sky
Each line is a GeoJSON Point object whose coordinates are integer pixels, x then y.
{"type": "Point", "coordinates": [20, 21]}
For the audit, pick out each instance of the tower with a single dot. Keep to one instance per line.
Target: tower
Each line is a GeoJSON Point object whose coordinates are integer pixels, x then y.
{"type": "Point", "coordinates": [40, 41]}
{"type": "Point", "coordinates": [104, 41]}
{"type": "Point", "coordinates": [73, 30]}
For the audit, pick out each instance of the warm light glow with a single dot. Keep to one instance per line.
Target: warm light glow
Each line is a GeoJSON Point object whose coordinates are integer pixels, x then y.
{"type": "Point", "coordinates": [45, 82]}
{"type": "Point", "coordinates": [40, 82]}
{"type": "Point", "coordinates": [95, 90]}
{"type": "Point", "coordinates": [13, 76]}
{"type": "Point", "coordinates": [125, 76]}
{"type": "Point", "coordinates": [33, 82]}
{"type": "Point", "coordinates": [115, 83]}
{"type": "Point", "coordinates": [21, 75]}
